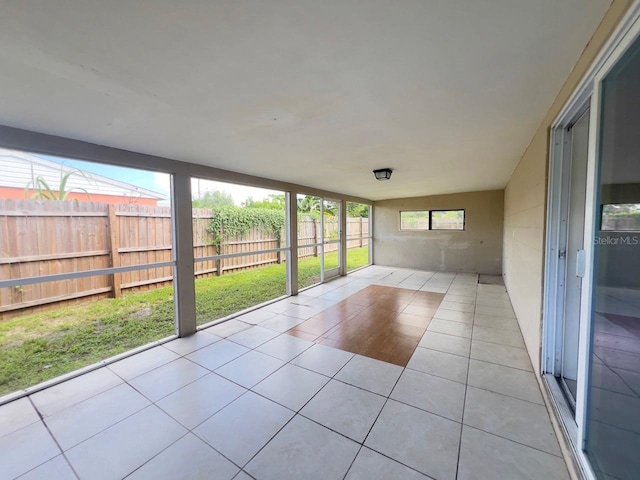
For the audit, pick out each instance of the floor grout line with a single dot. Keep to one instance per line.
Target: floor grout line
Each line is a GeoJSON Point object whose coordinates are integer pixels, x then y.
{"type": "Point", "coordinates": [157, 454]}
{"type": "Point", "coordinates": [514, 441]}
{"type": "Point", "coordinates": [464, 402]}
{"type": "Point", "coordinates": [55, 440]}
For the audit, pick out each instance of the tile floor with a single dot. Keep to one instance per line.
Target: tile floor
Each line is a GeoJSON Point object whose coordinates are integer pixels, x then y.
{"type": "Point", "coordinates": [244, 399]}
{"type": "Point", "coordinates": [381, 322]}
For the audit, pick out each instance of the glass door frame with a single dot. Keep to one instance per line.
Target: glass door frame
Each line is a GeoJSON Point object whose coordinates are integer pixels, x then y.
{"type": "Point", "coordinates": [557, 249]}
{"type": "Point", "coordinates": [555, 276]}
{"type": "Point", "coordinates": [588, 94]}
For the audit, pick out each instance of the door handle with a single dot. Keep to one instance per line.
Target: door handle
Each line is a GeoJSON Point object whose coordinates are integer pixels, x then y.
{"type": "Point", "coordinates": [581, 263]}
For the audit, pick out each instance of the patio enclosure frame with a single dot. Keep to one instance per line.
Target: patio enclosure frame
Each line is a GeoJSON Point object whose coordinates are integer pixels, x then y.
{"type": "Point", "coordinates": [183, 259]}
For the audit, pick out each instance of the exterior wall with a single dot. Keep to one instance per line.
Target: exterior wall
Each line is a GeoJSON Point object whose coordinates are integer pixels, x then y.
{"type": "Point", "coordinates": [525, 203]}
{"type": "Point", "coordinates": [20, 169]}
{"type": "Point", "coordinates": [18, 194]}
{"type": "Point", "coordinates": [476, 249]}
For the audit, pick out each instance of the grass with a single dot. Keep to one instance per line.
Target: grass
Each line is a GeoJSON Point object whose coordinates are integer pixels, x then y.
{"type": "Point", "coordinates": [37, 347]}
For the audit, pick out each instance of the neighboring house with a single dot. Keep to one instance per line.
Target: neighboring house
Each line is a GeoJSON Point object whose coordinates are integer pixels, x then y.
{"type": "Point", "coordinates": [20, 171]}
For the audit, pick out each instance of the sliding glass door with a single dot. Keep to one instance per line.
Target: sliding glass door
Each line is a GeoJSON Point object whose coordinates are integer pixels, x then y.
{"type": "Point", "coordinates": [320, 240]}
{"type": "Point", "coordinates": [612, 438]}
{"type": "Point", "coordinates": [331, 227]}
{"type": "Point", "coordinates": [574, 254]}
{"type": "Point", "coordinates": [592, 280]}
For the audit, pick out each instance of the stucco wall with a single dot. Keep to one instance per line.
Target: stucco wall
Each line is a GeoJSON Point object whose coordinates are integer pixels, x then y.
{"type": "Point", "coordinates": [525, 203]}
{"type": "Point", "coordinates": [476, 249]}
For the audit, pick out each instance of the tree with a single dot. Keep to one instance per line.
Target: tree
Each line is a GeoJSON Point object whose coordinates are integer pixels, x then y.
{"type": "Point", "coordinates": [357, 210]}
{"type": "Point", "coordinates": [330, 209]}
{"type": "Point", "coordinates": [309, 205]}
{"type": "Point", "coordinates": [213, 199]}
{"type": "Point", "coordinates": [274, 201]}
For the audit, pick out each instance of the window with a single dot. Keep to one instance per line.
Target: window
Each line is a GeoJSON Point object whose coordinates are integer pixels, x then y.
{"type": "Point", "coordinates": [432, 220]}
{"type": "Point", "coordinates": [621, 217]}
{"type": "Point", "coordinates": [447, 220]}
{"type": "Point", "coordinates": [417, 220]}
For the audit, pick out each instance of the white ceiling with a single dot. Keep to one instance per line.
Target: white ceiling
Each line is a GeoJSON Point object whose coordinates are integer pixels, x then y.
{"type": "Point", "coordinates": [317, 92]}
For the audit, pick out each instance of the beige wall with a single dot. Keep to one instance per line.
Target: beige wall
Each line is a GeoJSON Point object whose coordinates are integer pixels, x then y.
{"type": "Point", "coordinates": [525, 199]}
{"type": "Point", "coordinates": [476, 249]}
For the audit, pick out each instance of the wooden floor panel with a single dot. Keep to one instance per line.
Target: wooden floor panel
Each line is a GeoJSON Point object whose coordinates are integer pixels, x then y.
{"type": "Point", "coordinates": [384, 323]}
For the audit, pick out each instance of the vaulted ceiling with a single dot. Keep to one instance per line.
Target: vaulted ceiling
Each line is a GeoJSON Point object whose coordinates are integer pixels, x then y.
{"type": "Point", "coordinates": [319, 93]}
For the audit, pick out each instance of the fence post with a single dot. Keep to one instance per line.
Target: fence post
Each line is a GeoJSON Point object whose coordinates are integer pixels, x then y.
{"type": "Point", "coordinates": [360, 232]}
{"type": "Point", "coordinates": [315, 237]}
{"type": "Point", "coordinates": [279, 253]}
{"type": "Point", "coordinates": [114, 244]}
{"type": "Point", "coordinates": [219, 262]}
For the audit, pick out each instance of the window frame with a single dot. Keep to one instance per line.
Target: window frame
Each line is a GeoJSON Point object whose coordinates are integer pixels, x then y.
{"type": "Point", "coordinates": [464, 220]}
{"type": "Point", "coordinates": [415, 229]}
{"type": "Point", "coordinates": [430, 215]}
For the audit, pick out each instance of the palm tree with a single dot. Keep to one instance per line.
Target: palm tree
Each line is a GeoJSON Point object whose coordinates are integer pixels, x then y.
{"type": "Point", "coordinates": [309, 204]}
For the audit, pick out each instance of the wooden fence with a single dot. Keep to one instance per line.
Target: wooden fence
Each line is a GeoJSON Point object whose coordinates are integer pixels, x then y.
{"type": "Point", "coordinates": [44, 238]}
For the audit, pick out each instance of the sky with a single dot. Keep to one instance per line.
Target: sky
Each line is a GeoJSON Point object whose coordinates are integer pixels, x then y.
{"type": "Point", "coordinates": [159, 182]}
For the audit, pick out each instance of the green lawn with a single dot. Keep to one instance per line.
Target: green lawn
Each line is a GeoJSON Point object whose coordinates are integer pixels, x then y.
{"type": "Point", "coordinates": [37, 347]}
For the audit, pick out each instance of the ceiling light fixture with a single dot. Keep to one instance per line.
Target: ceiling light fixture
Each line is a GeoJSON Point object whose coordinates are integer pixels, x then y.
{"type": "Point", "coordinates": [382, 174]}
